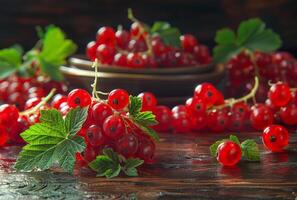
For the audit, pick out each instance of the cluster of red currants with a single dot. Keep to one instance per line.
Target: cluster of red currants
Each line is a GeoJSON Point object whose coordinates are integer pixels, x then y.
{"type": "Point", "coordinates": [27, 92]}
{"type": "Point", "coordinates": [138, 49]}
{"type": "Point", "coordinates": [107, 126]}
{"type": "Point", "coordinates": [278, 66]}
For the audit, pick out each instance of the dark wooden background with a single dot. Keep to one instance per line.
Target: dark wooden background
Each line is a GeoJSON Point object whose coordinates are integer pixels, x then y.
{"type": "Point", "coordinates": [81, 18]}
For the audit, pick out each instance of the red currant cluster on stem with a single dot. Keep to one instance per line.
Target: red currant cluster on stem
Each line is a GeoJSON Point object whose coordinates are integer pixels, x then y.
{"type": "Point", "coordinates": [138, 48]}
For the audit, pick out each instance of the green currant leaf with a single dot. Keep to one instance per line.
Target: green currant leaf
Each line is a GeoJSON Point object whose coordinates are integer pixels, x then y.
{"type": "Point", "coordinates": [52, 141]}
{"type": "Point", "coordinates": [134, 105]}
{"type": "Point", "coordinates": [235, 139]}
{"type": "Point", "coordinates": [51, 70]}
{"type": "Point", "coordinates": [249, 28]}
{"type": "Point", "coordinates": [160, 26]}
{"type": "Point", "coordinates": [222, 53]}
{"type": "Point", "coordinates": [214, 147]}
{"type": "Point", "coordinates": [131, 172]}
{"type": "Point", "coordinates": [146, 118]}
{"type": "Point", "coordinates": [171, 36]}
{"type": "Point", "coordinates": [151, 133]}
{"type": "Point", "coordinates": [133, 163]}
{"type": "Point", "coordinates": [225, 36]}
{"type": "Point", "coordinates": [6, 69]}
{"type": "Point", "coordinates": [11, 56]}
{"type": "Point", "coordinates": [111, 154]}
{"type": "Point", "coordinates": [250, 150]}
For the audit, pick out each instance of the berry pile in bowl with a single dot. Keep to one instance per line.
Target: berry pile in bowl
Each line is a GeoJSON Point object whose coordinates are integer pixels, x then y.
{"type": "Point", "coordinates": [160, 48]}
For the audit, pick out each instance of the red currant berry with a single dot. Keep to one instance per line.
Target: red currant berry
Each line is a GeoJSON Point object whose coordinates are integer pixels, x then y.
{"type": "Point", "coordinates": [279, 94]}
{"type": "Point", "coordinates": [30, 103]}
{"type": "Point", "coordinates": [100, 112]}
{"type": "Point", "coordinates": [94, 135]}
{"type": "Point", "coordinates": [288, 114]}
{"type": "Point", "coordinates": [188, 42]}
{"type": "Point", "coordinates": [122, 38]}
{"type": "Point", "coordinates": [91, 50]}
{"type": "Point", "coordinates": [229, 153]}
{"type": "Point", "coordinates": [218, 120]}
{"type": "Point", "coordinates": [113, 127]}
{"type": "Point", "coordinates": [199, 122]}
{"type": "Point", "coordinates": [164, 117]}
{"type": "Point", "coordinates": [120, 59]}
{"type": "Point", "coordinates": [261, 117]}
{"type": "Point", "coordinates": [180, 109]}
{"type": "Point", "coordinates": [220, 99]}
{"type": "Point", "coordinates": [149, 101]}
{"type": "Point", "coordinates": [79, 97]}
{"type": "Point", "coordinates": [146, 150]}
{"type": "Point", "coordinates": [127, 145]}
{"type": "Point", "coordinates": [89, 154]}
{"type": "Point", "coordinates": [3, 136]}
{"type": "Point", "coordinates": [118, 99]}
{"type": "Point", "coordinates": [135, 60]}
{"type": "Point", "coordinates": [275, 138]}
{"type": "Point", "coordinates": [242, 109]}
{"type": "Point", "coordinates": [181, 122]}
{"type": "Point", "coordinates": [106, 35]}
{"type": "Point", "coordinates": [58, 100]}
{"type": "Point", "coordinates": [196, 106]}
{"type": "Point", "coordinates": [158, 47]}
{"type": "Point", "coordinates": [207, 92]}
{"type": "Point", "coordinates": [201, 54]}
{"type": "Point", "coordinates": [9, 114]}
{"type": "Point", "coordinates": [237, 121]}
{"type": "Point", "coordinates": [105, 54]}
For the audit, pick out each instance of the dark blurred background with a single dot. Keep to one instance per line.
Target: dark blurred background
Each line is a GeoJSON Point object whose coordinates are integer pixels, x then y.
{"type": "Point", "coordinates": [81, 19]}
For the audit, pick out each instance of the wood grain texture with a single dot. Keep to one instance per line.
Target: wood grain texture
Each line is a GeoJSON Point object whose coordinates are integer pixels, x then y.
{"type": "Point", "coordinates": [183, 170]}
{"type": "Point", "coordinates": [81, 19]}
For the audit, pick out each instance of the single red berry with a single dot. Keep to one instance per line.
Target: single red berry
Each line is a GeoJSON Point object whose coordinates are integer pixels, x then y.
{"type": "Point", "coordinates": [218, 120]}
{"type": "Point", "coordinates": [149, 101]}
{"type": "Point", "coordinates": [288, 114]}
{"type": "Point", "coordinates": [180, 109]}
{"type": "Point", "coordinates": [201, 54]}
{"type": "Point", "coordinates": [135, 60]}
{"type": "Point", "coordinates": [79, 97]}
{"type": "Point", "coordinates": [91, 50]}
{"type": "Point", "coordinates": [261, 117]}
{"type": "Point", "coordinates": [120, 59]}
{"type": "Point", "coordinates": [237, 121]}
{"type": "Point", "coordinates": [196, 106]}
{"type": "Point", "coordinates": [279, 94]}
{"type": "Point", "coordinates": [181, 122]}
{"type": "Point", "coordinates": [220, 99]}
{"type": "Point", "coordinates": [135, 30]}
{"type": "Point", "coordinates": [3, 136]}
{"type": "Point", "coordinates": [89, 154]}
{"type": "Point", "coordinates": [113, 127]}
{"type": "Point", "coordinates": [118, 99]}
{"type": "Point", "coordinates": [100, 112]}
{"type": "Point", "coordinates": [105, 54]}
{"type": "Point", "coordinates": [58, 100]}
{"type": "Point", "coordinates": [275, 138]}
{"type": "Point", "coordinates": [106, 35]}
{"type": "Point", "coordinates": [146, 150]}
{"type": "Point", "coordinates": [188, 42]}
{"type": "Point", "coordinates": [9, 114]}
{"type": "Point", "coordinates": [137, 45]}
{"type": "Point", "coordinates": [122, 38]}
{"type": "Point", "coordinates": [207, 92]}
{"type": "Point", "coordinates": [229, 153]}
{"type": "Point", "coordinates": [94, 135]}
{"type": "Point", "coordinates": [164, 118]}
{"type": "Point", "coordinates": [158, 47]}
{"type": "Point", "coordinates": [127, 145]}
{"type": "Point", "coordinates": [242, 109]}
{"type": "Point", "coordinates": [199, 122]}
{"type": "Point", "coordinates": [30, 103]}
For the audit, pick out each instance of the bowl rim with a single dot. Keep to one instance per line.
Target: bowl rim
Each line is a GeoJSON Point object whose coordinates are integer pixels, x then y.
{"type": "Point", "coordinates": [81, 61]}
{"type": "Point", "coordinates": [219, 69]}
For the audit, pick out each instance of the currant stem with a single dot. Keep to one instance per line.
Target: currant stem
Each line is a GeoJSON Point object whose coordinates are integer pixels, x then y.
{"type": "Point", "coordinates": [40, 104]}
{"type": "Point", "coordinates": [142, 30]}
{"type": "Point", "coordinates": [94, 85]}
{"type": "Point", "coordinates": [232, 101]}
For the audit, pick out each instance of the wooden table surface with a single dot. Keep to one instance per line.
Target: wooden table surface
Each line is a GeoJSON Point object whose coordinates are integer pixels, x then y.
{"type": "Point", "coordinates": [183, 170]}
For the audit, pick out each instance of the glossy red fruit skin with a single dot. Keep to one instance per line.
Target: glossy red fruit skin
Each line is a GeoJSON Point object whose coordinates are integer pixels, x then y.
{"type": "Point", "coordinates": [127, 145]}
{"type": "Point", "coordinates": [229, 153]}
{"type": "Point", "coordinates": [118, 99]}
{"type": "Point", "coordinates": [149, 101]}
{"type": "Point", "coordinates": [188, 42]}
{"type": "Point", "coordinates": [275, 138]}
{"type": "Point", "coordinates": [218, 120]}
{"type": "Point", "coordinates": [78, 97]}
{"type": "Point", "coordinates": [199, 122]}
{"type": "Point", "coordinates": [201, 54]}
{"type": "Point", "coordinates": [58, 100]}
{"type": "Point", "coordinates": [105, 54]}
{"type": "Point", "coordinates": [242, 109]}
{"type": "Point", "coordinates": [89, 154]}
{"type": "Point", "coordinates": [9, 114]}
{"type": "Point", "coordinates": [91, 50]}
{"type": "Point", "coordinates": [196, 106]}
{"type": "Point", "coordinates": [106, 35]}
{"type": "Point", "coordinates": [3, 136]}
{"type": "Point", "coordinates": [279, 94]}
{"type": "Point", "coordinates": [100, 112]}
{"type": "Point", "coordinates": [135, 60]}
{"type": "Point", "coordinates": [261, 117]}
{"type": "Point", "coordinates": [207, 92]}
{"type": "Point", "coordinates": [94, 136]}
{"type": "Point", "coordinates": [180, 109]}
{"type": "Point", "coordinates": [113, 127]}
{"type": "Point", "coordinates": [122, 38]}
{"type": "Point", "coordinates": [164, 118]}
{"type": "Point", "coordinates": [120, 60]}
{"type": "Point", "coordinates": [30, 103]}
{"type": "Point", "coordinates": [181, 122]}
{"type": "Point", "coordinates": [288, 114]}
{"type": "Point", "coordinates": [146, 150]}
{"type": "Point", "coordinates": [237, 121]}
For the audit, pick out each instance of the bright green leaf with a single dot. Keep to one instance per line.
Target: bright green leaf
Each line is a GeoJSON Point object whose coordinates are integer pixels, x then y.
{"type": "Point", "coordinates": [51, 70]}
{"type": "Point", "coordinates": [223, 53]}
{"type": "Point", "coordinates": [234, 138]}
{"type": "Point", "coordinates": [171, 36]}
{"type": "Point", "coordinates": [11, 56]}
{"type": "Point", "coordinates": [249, 28]}
{"type": "Point", "coordinates": [6, 69]}
{"type": "Point", "coordinates": [146, 118]}
{"type": "Point", "coordinates": [133, 163]}
{"type": "Point", "coordinates": [214, 147]}
{"type": "Point", "coordinates": [159, 26]}
{"type": "Point", "coordinates": [151, 133]}
{"type": "Point", "coordinates": [131, 172]}
{"type": "Point", "coordinates": [250, 150]}
{"type": "Point", "coordinates": [225, 36]}
{"type": "Point", "coordinates": [134, 105]}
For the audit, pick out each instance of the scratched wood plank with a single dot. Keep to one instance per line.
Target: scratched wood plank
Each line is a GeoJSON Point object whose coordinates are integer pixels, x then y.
{"type": "Point", "coordinates": [183, 170]}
